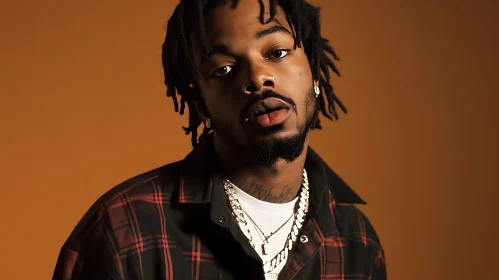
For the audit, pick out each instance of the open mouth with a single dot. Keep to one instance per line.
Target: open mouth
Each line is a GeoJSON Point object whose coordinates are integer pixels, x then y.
{"type": "Point", "coordinates": [257, 114]}
{"type": "Point", "coordinates": [265, 106]}
{"type": "Point", "coordinates": [267, 112]}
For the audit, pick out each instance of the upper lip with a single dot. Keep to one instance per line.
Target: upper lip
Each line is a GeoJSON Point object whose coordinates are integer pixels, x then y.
{"type": "Point", "coordinates": [264, 106]}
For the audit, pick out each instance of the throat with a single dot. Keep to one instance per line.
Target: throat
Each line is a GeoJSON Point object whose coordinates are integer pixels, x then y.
{"type": "Point", "coordinates": [279, 183]}
{"type": "Point", "coordinates": [272, 187]}
{"type": "Point", "coordinates": [270, 194]}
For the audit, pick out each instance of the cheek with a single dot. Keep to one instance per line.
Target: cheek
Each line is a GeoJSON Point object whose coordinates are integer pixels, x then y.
{"type": "Point", "coordinates": [219, 109]}
{"type": "Point", "coordinates": [217, 90]}
{"type": "Point", "coordinates": [305, 72]}
{"type": "Point", "coordinates": [212, 106]}
{"type": "Point", "coordinates": [208, 100]}
{"type": "Point", "coordinates": [298, 71]}
{"type": "Point", "coordinates": [298, 82]}
{"type": "Point", "coordinates": [220, 99]}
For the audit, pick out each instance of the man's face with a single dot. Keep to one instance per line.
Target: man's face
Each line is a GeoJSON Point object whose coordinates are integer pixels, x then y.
{"type": "Point", "coordinates": [257, 89]}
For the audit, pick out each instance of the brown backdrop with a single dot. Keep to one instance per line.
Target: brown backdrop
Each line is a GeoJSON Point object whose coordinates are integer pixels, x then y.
{"type": "Point", "coordinates": [83, 108]}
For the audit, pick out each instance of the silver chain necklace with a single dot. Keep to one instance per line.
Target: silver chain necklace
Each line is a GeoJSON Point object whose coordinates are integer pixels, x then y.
{"type": "Point", "coordinates": [265, 237]}
{"type": "Point", "coordinates": [300, 214]}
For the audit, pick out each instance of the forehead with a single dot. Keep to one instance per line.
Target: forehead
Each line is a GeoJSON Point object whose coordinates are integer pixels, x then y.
{"type": "Point", "coordinates": [243, 21]}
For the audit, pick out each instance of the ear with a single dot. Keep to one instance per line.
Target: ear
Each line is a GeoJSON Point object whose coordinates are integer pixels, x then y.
{"type": "Point", "coordinates": [200, 108]}
{"type": "Point", "coordinates": [316, 83]}
{"type": "Point", "coordinates": [198, 102]}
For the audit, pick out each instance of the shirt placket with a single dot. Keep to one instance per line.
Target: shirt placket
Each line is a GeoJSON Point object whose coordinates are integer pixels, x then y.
{"type": "Point", "coordinates": [308, 243]}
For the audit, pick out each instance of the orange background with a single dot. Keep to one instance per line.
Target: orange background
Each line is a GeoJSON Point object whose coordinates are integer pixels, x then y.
{"type": "Point", "coordinates": [83, 108]}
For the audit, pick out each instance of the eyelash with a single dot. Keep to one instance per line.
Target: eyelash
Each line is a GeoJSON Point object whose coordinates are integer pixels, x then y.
{"type": "Point", "coordinates": [229, 66]}
{"type": "Point", "coordinates": [281, 50]}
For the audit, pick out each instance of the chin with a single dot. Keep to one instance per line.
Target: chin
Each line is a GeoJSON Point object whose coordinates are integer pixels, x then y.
{"type": "Point", "coordinates": [278, 131]}
{"type": "Point", "coordinates": [279, 144]}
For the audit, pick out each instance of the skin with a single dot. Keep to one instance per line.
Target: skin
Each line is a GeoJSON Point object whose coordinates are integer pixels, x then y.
{"type": "Point", "coordinates": [247, 66]}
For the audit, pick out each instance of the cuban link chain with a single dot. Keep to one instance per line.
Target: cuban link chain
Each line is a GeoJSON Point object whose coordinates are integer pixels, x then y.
{"type": "Point", "coordinates": [302, 210]}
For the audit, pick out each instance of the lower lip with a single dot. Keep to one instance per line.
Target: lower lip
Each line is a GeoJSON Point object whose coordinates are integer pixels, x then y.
{"type": "Point", "coordinates": [272, 118]}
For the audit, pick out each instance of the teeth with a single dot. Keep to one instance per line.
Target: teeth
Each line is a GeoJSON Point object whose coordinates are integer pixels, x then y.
{"type": "Point", "coordinates": [262, 113]}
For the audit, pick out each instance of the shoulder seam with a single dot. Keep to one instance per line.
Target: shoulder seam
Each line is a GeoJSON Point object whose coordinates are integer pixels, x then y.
{"type": "Point", "coordinates": [128, 189]}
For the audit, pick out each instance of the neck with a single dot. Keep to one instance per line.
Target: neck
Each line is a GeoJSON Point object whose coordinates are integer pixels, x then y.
{"type": "Point", "coordinates": [279, 183]}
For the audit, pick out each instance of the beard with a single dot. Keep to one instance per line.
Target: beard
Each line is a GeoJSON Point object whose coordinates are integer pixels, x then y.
{"type": "Point", "coordinates": [268, 150]}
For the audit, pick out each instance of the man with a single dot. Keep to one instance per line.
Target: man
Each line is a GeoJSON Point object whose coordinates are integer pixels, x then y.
{"type": "Point", "coordinates": [252, 200]}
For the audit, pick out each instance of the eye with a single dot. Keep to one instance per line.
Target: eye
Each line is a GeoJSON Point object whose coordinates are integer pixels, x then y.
{"type": "Point", "coordinates": [222, 71]}
{"type": "Point", "coordinates": [278, 54]}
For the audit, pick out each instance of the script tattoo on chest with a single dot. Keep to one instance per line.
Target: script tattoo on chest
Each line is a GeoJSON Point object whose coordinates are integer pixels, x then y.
{"type": "Point", "coordinates": [267, 194]}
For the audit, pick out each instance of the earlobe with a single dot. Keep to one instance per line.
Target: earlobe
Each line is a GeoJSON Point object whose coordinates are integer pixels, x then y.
{"type": "Point", "coordinates": [198, 102]}
{"type": "Point", "coordinates": [202, 111]}
{"type": "Point", "coordinates": [207, 123]}
{"type": "Point", "coordinates": [200, 108]}
{"type": "Point", "coordinates": [317, 89]}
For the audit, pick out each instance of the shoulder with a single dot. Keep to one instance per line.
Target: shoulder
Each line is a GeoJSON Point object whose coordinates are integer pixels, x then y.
{"type": "Point", "coordinates": [113, 223]}
{"type": "Point", "coordinates": [353, 220]}
{"type": "Point", "coordinates": [358, 231]}
{"type": "Point", "coordinates": [116, 207]}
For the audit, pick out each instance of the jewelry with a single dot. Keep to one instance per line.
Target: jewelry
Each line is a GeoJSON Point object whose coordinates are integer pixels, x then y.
{"type": "Point", "coordinates": [207, 122]}
{"type": "Point", "coordinates": [265, 239]}
{"type": "Point", "coordinates": [303, 203]}
{"type": "Point", "coordinates": [317, 91]}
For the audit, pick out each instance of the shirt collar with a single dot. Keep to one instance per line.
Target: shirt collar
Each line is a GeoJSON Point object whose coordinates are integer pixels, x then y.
{"type": "Point", "coordinates": [201, 166]}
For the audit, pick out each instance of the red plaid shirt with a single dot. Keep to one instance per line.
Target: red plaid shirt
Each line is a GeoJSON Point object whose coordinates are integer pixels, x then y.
{"type": "Point", "coordinates": [175, 223]}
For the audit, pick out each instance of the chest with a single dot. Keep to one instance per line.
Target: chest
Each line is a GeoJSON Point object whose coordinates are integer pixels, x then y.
{"type": "Point", "coordinates": [200, 248]}
{"type": "Point", "coordinates": [207, 251]}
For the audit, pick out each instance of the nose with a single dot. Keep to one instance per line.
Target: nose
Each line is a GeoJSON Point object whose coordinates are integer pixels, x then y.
{"type": "Point", "coordinates": [260, 79]}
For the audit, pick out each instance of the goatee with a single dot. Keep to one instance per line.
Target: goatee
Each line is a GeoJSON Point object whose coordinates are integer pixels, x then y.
{"type": "Point", "coordinates": [270, 149]}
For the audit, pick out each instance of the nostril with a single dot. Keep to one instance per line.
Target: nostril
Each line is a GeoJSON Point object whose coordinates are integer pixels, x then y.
{"type": "Point", "coordinates": [251, 88]}
{"type": "Point", "coordinates": [268, 83]}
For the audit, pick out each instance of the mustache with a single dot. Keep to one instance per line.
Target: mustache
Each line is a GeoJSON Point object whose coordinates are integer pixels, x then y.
{"type": "Point", "coordinates": [267, 94]}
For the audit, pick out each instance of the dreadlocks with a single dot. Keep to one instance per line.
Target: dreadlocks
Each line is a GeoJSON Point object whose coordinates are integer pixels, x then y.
{"type": "Point", "coordinates": [180, 70]}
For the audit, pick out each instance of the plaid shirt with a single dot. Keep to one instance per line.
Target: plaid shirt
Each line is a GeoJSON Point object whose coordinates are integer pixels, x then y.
{"type": "Point", "coordinates": [175, 223]}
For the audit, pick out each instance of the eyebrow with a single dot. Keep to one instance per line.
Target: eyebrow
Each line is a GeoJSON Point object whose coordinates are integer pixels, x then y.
{"type": "Point", "coordinates": [224, 49]}
{"type": "Point", "coordinates": [214, 49]}
{"type": "Point", "coordinates": [271, 30]}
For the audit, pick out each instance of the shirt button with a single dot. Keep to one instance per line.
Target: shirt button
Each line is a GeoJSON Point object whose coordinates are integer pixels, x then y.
{"type": "Point", "coordinates": [221, 219]}
{"type": "Point", "coordinates": [303, 239]}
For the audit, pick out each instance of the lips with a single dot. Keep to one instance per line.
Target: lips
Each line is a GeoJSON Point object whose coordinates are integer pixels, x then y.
{"type": "Point", "coordinates": [262, 107]}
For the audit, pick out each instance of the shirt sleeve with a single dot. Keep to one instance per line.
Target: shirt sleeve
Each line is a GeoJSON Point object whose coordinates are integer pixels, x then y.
{"type": "Point", "coordinates": [377, 257]}
{"type": "Point", "coordinates": [72, 266]}
{"type": "Point", "coordinates": [86, 254]}
{"type": "Point", "coordinates": [378, 272]}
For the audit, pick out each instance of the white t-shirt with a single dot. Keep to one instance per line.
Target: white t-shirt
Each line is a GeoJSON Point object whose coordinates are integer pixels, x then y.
{"type": "Point", "coordinates": [269, 217]}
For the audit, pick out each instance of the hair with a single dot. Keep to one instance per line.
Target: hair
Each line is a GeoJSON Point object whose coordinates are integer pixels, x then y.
{"type": "Point", "coordinates": [180, 71]}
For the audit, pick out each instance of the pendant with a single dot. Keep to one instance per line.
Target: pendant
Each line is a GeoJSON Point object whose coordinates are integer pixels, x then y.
{"type": "Point", "coordinates": [271, 276]}
{"type": "Point", "coordinates": [265, 248]}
